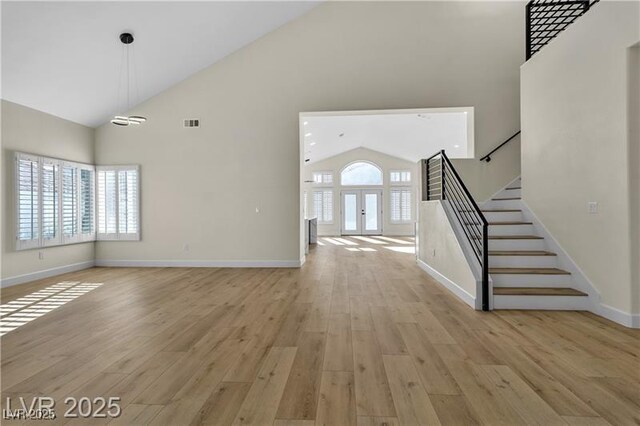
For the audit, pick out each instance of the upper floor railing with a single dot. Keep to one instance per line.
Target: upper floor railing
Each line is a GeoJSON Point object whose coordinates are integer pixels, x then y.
{"type": "Point", "coordinates": [545, 19]}
{"type": "Point", "coordinates": [441, 181]}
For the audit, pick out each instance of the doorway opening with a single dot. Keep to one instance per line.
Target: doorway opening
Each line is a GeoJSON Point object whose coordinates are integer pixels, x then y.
{"type": "Point", "coordinates": [360, 176]}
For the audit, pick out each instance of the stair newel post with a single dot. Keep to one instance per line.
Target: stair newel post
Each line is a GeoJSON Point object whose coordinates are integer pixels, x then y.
{"type": "Point", "coordinates": [485, 266]}
{"type": "Point", "coordinates": [442, 165]}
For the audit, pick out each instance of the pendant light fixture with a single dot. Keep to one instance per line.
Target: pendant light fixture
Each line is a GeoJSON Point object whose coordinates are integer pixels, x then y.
{"type": "Point", "coordinates": [124, 120]}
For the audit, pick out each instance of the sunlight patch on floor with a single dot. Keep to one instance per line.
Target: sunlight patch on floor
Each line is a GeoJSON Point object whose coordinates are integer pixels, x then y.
{"type": "Point", "coordinates": [404, 249]}
{"type": "Point", "coordinates": [27, 308]}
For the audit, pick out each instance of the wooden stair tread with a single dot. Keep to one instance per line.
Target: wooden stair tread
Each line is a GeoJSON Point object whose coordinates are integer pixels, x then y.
{"type": "Point", "coordinates": [536, 291]}
{"type": "Point", "coordinates": [529, 271]}
{"type": "Point", "coordinates": [506, 199]}
{"type": "Point", "coordinates": [513, 237]}
{"type": "Point", "coordinates": [500, 223]}
{"type": "Point", "coordinates": [521, 253]}
{"type": "Point", "coordinates": [510, 223]}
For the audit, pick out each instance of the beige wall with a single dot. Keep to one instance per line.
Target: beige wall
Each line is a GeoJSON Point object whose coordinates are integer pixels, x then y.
{"type": "Point", "coordinates": [31, 131]}
{"type": "Point", "coordinates": [386, 163]}
{"type": "Point", "coordinates": [439, 248]}
{"type": "Point", "coordinates": [576, 141]}
{"type": "Point", "coordinates": [634, 170]}
{"type": "Point", "coordinates": [203, 186]}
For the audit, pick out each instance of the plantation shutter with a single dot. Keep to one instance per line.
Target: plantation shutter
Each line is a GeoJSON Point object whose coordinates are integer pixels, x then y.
{"type": "Point", "coordinates": [50, 201]}
{"type": "Point", "coordinates": [400, 205]}
{"type": "Point", "coordinates": [327, 206]}
{"type": "Point", "coordinates": [395, 205]}
{"type": "Point", "coordinates": [118, 202]}
{"type": "Point", "coordinates": [70, 195]}
{"type": "Point", "coordinates": [405, 202]}
{"type": "Point", "coordinates": [128, 202]}
{"type": "Point", "coordinates": [87, 182]}
{"type": "Point", "coordinates": [28, 199]}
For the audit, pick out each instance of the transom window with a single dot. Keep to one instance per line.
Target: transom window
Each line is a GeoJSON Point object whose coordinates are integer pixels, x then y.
{"type": "Point", "coordinates": [324, 178]}
{"type": "Point", "coordinates": [361, 173]}
{"type": "Point", "coordinates": [400, 176]}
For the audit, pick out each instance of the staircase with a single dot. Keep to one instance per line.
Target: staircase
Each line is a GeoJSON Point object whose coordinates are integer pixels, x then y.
{"type": "Point", "coordinates": [524, 271]}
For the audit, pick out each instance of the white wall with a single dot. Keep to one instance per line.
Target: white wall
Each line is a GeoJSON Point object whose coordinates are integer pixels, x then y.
{"type": "Point", "coordinates": [202, 186]}
{"type": "Point", "coordinates": [576, 141]}
{"type": "Point", "coordinates": [386, 163]}
{"type": "Point", "coordinates": [440, 253]}
{"type": "Point", "coordinates": [31, 131]}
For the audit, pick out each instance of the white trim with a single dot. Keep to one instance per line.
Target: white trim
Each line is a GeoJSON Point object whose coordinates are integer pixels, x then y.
{"type": "Point", "coordinates": [21, 279]}
{"type": "Point", "coordinates": [616, 315]}
{"type": "Point", "coordinates": [201, 263]}
{"type": "Point", "coordinates": [450, 285]}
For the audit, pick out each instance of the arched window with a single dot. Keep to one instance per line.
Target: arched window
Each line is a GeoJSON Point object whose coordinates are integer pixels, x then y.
{"type": "Point", "coordinates": [361, 173]}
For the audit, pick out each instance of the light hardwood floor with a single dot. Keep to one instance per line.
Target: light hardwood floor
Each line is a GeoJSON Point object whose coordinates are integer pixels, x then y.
{"type": "Point", "coordinates": [354, 337]}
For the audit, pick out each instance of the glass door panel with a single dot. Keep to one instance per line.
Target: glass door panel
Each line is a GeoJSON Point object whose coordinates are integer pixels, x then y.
{"type": "Point", "coordinates": [372, 212]}
{"type": "Point", "coordinates": [351, 213]}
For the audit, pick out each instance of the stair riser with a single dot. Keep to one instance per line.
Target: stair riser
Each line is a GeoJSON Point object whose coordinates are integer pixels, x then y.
{"type": "Point", "coordinates": [523, 261]}
{"type": "Point", "coordinates": [503, 204]}
{"type": "Point", "coordinates": [511, 230]}
{"type": "Point", "coordinates": [507, 245]}
{"type": "Point", "coordinates": [569, 303]}
{"type": "Point", "coordinates": [503, 216]}
{"type": "Point", "coordinates": [531, 280]}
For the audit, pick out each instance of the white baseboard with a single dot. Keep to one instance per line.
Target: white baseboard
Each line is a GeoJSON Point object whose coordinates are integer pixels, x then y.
{"type": "Point", "coordinates": [33, 276]}
{"type": "Point", "coordinates": [616, 315]}
{"type": "Point", "coordinates": [450, 285]}
{"type": "Point", "coordinates": [201, 263]}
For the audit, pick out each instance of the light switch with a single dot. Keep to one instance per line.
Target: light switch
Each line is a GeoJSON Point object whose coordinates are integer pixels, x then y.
{"type": "Point", "coordinates": [592, 207]}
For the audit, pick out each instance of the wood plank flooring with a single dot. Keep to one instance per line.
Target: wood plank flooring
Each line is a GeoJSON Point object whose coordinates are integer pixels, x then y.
{"type": "Point", "coordinates": [355, 337]}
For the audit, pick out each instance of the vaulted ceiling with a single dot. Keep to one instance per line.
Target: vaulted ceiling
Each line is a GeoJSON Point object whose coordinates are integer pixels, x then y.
{"type": "Point", "coordinates": [407, 134]}
{"type": "Point", "coordinates": [64, 58]}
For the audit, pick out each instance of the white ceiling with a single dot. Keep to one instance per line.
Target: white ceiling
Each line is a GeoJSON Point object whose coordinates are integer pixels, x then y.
{"type": "Point", "coordinates": [408, 134]}
{"type": "Point", "coordinates": [64, 58]}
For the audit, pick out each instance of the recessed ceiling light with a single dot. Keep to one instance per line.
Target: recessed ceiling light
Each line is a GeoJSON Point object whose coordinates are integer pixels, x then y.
{"type": "Point", "coordinates": [312, 143]}
{"type": "Point", "coordinates": [305, 123]}
{"type": "Point", "coordinates": [307, 134]}
{"type": "Point", "coordinates": [456, 146]}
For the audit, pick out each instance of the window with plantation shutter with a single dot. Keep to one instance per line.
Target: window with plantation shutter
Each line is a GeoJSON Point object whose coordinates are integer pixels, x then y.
{"type": "Point", "coordinates": [28, 201]}
{"type": "Point", "coordinates": [50, 174]}
{"type": "Point", "coordinates": [323, 205]}
{"type": "Point", "coordinates": [70, 201]}
{"type": "Point", "coordinates": [118, 200]}
{"type": "Point", "coordinates": [52, 198]}
{"type": "Point", "coordinates": [87, 199]}
{"type": "Point", "coordinates": [400, 205]}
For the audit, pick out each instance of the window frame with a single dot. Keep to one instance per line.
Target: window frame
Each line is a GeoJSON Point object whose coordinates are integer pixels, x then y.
{"type": "Point", "coordinates": [323, 174]}
{"type": "Point", "coordinates": [400, 190]}
{"type": "Point", "coordinates": [59, 239]}
{"type": "Point", "coordinates": [399, 182]}
{"type": "Point", "coordinates": [362, 185]}
{"type": "Point", "coordinates": [118, 236]}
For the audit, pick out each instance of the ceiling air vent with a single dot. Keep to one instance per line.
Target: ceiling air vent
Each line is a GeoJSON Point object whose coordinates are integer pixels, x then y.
{"type": "Point", "coordinates": [191, 122]}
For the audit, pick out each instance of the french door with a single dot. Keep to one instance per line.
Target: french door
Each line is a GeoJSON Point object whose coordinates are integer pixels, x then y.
{"type": "Point", "coordinates": [361, 211]}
